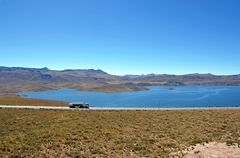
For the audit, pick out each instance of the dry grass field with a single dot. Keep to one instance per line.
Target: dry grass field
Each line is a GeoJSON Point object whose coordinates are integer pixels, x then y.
{"type": "Point", "coordinates": [15, 100]}
{"type": "Point", "coordinates": [42, 133]}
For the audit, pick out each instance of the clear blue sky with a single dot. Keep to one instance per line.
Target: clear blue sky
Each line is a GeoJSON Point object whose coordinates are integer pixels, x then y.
{"type": "Point", "coordinates": [122, 36]}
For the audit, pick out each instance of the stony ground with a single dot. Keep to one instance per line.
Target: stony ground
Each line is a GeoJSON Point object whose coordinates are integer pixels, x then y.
{"type": "Point", "coordinates": [210, 150]}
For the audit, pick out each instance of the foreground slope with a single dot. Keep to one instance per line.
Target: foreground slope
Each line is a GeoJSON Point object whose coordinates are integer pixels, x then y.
{"type": "Point", "coordinates": [36, 133]}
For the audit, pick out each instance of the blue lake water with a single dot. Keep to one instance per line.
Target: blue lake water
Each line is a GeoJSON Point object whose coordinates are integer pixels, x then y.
{"type": "Point", "coordinates": [157, 96]}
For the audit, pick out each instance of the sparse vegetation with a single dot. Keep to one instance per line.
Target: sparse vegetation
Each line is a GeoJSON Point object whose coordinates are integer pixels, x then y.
{"type": "Point", "coordinates": [15, 100]}
{"type": "Point", "coordinates": [42, 133]}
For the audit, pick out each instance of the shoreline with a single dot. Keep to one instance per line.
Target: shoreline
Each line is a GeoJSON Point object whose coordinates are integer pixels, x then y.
{"type": "Point", "coordinates": [115, 108]}
{"type": "Point", "coordinates": [182, 108]}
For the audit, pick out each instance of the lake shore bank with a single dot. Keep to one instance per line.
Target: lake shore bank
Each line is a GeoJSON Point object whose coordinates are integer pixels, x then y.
{"type": "Point", "coordinates": [113, 108]}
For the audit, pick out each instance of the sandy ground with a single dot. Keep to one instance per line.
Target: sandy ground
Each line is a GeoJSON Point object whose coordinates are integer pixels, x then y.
{"type": "Point", "coordinates": [210, 150]}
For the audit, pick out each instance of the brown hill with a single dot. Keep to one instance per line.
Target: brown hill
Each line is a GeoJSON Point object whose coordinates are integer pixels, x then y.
{"type": "Point", "coordinates": [18, 79]}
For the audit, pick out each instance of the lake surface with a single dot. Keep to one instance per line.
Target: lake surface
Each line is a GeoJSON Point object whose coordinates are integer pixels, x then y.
{"type": "Point", "coordinates": [157, 96]}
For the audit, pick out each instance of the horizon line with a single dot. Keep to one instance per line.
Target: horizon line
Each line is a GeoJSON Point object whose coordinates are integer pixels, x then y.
{"type": "Point", "coordinates": [127, 74]}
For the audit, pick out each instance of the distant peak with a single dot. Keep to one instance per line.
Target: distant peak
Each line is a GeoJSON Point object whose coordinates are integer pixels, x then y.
{"type": "Point", "coordinates": [97, 71]}
{"type": "Point", "coordinates": [200, 74]}
{"type": "Point", "coordinates": [45, 69]}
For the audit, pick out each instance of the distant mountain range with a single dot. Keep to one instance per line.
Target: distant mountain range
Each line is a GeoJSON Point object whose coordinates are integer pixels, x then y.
{"type": "Point", "coordinates": [18, 79]}
{"type": "Point", "coordinates": [19, 74]}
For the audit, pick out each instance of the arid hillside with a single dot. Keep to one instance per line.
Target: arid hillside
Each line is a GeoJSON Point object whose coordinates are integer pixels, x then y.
{"type": "Point", "coordinates": [17, 79]}
{"type": "Point", "coordinates": [43, 133]}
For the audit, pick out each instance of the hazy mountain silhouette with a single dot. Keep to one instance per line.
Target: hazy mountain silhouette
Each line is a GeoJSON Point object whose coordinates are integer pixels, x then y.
{"type": "Point", "coordinates": [16, 79]}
